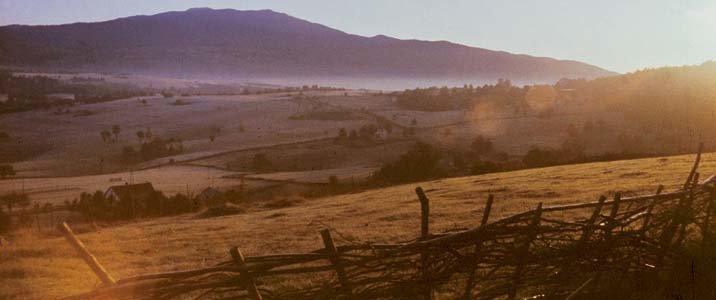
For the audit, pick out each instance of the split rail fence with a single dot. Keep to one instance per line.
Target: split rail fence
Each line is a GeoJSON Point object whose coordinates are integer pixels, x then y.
{"type": "Point", "coordinates": [546, 253]}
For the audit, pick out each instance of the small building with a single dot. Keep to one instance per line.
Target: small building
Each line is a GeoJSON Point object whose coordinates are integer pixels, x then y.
{"type": "Point", "coordinates": [140, 191]}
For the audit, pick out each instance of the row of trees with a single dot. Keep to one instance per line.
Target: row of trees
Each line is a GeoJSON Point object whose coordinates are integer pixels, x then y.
{"type": "Point", "coordinates": [98, 207]}
{"type": "Point", "coordinates": [30, 92]}
{"type": "Point", "coordinates": [9, 202]}
{"type": "Point", "coordinates": [155, 148]}
{"type": "Point", "coordinates": [444, 98]}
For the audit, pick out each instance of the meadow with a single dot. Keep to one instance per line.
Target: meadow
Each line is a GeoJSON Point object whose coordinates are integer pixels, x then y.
{"type": "Point", "coordinates": [42, 265]}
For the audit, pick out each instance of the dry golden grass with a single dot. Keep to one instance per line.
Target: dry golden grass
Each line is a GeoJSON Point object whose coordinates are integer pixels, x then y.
{"type": "Point", "coordinates": [168, 179]}
{"type": "Point", "coordinates": [41, 268]}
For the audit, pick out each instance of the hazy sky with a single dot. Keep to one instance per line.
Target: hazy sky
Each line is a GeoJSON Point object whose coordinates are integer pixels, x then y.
{"type": "Point", "coordinates": [620, 35]}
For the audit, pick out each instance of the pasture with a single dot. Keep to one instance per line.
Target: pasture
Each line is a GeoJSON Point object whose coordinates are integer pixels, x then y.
{"type": "Point", "coordinates": [43, 266]}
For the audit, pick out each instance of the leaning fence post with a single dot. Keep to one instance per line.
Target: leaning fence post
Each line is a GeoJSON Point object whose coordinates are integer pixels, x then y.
{"type": "Point", "coordinates": [90, 259]}
{"type": "Point", "coordinates": [649, 210]}
{"type": "Point", "coordinates": [705, 238]}
{"type": "Point", "coordinates": [336, 261]}
{"type": "Point", "coordinates": [478, 244]}
{"type": "Point", "coordinates": [687, 211]}
{"type": "Point", "coordinates": [696, 166]}
{"type": "Point", "coordinates": [533, 230]}
{"type": "Point", "coordinates": [589, 225]}
{"type": "Point", "coordinates": [613, 214]}
{"type": "Point", "coordinates": [424, 234]}
{"type": "Point", "coordinates": [246, 279]}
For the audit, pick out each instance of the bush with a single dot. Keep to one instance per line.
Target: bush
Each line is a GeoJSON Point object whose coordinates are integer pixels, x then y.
{"type": "Point", "coordinates": [484, 167]}
{"type": "Point", "coordinates": [4, 222]}
{"type": "Point", "coordinates": [537, 157]}
{"type": "Point", "coordinates": [6, 171]}
{"type": "Point", "coordinates": [333, 180]}
{"type": "Point", "coordinates": [481, 145]}
{"type": "Point", "coordinates": [261, 162]}
{"type": "Point", "coordinates": [419, 163]}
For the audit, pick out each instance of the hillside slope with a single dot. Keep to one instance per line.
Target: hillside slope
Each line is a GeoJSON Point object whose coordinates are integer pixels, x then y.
{"type": "Point", "coordinates": [50, 268]}
{"type": "Point", "coordinates": [260, 44]}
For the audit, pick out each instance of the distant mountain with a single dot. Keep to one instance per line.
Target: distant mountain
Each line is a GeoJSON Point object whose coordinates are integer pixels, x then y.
{"type": "Point", "coordinates": [259, 44]}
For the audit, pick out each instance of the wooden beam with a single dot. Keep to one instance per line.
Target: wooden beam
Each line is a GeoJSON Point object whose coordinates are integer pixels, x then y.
{"type": "Point", "coordinates": [330, 248]}
{"type": "Point", "coordinates": [424, 213]}
{"type": "Point", "coordinates": [90, 259]}
{"type": "Point", "coordinates": [524, 251]}
{"type": "Point", "coordinates": [467, 294]}
{"type": "Point", "coordinates": [695, 167]}
{"type": "Point", "coordinates": [246, 279]}
{"type": "Point", "coordinates": [424, 235]}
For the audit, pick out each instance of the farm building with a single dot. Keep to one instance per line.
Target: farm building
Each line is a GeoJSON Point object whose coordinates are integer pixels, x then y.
{"type": "Point", "coordinates": [134, 191]}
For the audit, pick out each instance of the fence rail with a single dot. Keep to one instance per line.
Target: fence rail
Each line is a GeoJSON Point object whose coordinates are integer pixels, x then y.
{"type": "Point", "coordinates": [538, 253]}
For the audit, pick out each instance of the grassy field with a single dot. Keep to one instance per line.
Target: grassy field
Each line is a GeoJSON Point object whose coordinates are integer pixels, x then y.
{"type": "Point", "coordinates": [168, 179]}
{"type": "Point", "coordinates": [41, 266]}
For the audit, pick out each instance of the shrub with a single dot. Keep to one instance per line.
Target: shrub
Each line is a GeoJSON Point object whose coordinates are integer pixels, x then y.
{"type": "Point", "coordinates": [261, 162]}
{"type": "Point", "coordinates": [6, 171]}
{"type": "Point", "coordinates": [4, 222]}
{"type": "Point", "coordinates": [420, 162]}
{"type": "Point", "coordinates": [537, 157]}
{"type": "Point", "coordinates": [481, 145]}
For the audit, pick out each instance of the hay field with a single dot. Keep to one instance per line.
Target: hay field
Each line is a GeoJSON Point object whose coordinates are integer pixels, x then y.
{"type": "Point", "coordinates": [41, 267]}
{"type": "Point", "coordinates": [168, 179]}
{"type": "Point", "coordinates": [44, 143]}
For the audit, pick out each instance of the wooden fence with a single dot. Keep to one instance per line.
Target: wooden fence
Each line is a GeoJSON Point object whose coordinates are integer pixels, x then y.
{"type": "Point", "coordinates": [562, 252]}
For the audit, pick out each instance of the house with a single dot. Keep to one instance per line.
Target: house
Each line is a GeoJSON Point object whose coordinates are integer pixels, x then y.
{"type": "Point", "coordinates": [208, 194]}
{"type": "Point", "coordinates": [140, 191]}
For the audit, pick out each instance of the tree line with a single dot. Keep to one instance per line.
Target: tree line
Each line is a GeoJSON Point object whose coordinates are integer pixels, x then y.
{"type": "Point", "coordinates": [30, 92]}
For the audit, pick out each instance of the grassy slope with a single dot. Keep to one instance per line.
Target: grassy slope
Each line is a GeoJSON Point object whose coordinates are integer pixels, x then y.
{"type": "Point", "coordinates": [47, 267]}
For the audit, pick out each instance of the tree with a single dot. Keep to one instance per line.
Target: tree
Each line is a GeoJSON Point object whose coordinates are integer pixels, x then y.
{"type": "Point", "coordinates": [353, 135]}
{"type": "Point", "coordinates": [13, 200]}
{"type": "Point", "coordinates": [4, 222]}
{"type": "Point", "coordinates": [261, 162]}
{"type": "Point", "coordinates": [116, 130]}
{"type": "Point", "coordinates": [537, 157]}
{"type": "Point", "coordinates": [140, 136]}
{"type": "Point", "coordinates": [481, 145]}
{"type": "Point", "coordinates": [342, 134]}
{"type": "Point", "coordinates": [106, 135]}
{"type": "Point", "coordinates": [419, 163]}
{"type": "Point", "coordinates": [6, 171]}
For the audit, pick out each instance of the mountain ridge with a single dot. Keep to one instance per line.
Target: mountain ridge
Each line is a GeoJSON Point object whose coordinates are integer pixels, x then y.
{"type": "Point", "coordinates": [259, 43]}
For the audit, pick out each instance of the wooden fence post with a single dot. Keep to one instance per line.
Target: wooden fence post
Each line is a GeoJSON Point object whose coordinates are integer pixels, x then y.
{"type": "Point", "coordinates": [246, 279]}
{"type": "Point", "coordinates": [687, 211]}
{"type": "Point", "coordinates": [696, 166]}
{"type": "Point", "coordinates": [336, 261]}
{"type": "Point", "coordinates": [589, 226]}
{"type": "Point", "coordinates": [647, 217]}
{"type": "Point", "coordinates": [613, 214]}
{"type": "Point", "coordinates": [471, 279]}
{"type": "Point", "coordinates": [705, 238]}
{"type": "Point", "coordinates": [424, 213]}
{"type": "Point", "coordinates": [90, 259]}
{"type": "Point", "coordinates": [424, 235]}
{"type": "Point", "coordinates": [524, 251]}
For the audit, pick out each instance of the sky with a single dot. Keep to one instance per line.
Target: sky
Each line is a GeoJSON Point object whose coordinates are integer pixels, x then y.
{"type": "Point", "coordinates": [619, 35]}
